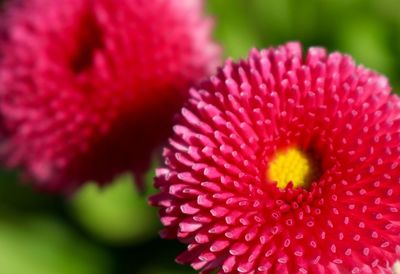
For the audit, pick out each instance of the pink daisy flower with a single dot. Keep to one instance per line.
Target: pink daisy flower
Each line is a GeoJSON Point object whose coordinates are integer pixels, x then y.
{"type": "Point", "coordinates": [88, 88]}
{"type": "Point", "coordinates": [285, 163]}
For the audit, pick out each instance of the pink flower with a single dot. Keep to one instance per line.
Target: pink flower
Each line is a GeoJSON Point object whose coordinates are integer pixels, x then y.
{"type": "Point", "coordinates": [88, 88]}
{"type": "Point", "coordinates": [285, 164]}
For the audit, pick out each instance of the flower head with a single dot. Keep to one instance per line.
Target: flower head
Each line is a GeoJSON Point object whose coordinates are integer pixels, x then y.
{"type": "Point", "coordinates": [88, 88]}
{"type": "Point", "coordinates": [285, 163]}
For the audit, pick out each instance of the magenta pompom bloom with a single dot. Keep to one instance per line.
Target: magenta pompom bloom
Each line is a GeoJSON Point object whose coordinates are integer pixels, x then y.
{"type": "Point", "coordinates": [286, 163]}
{"type": "Point", "coordinates": [88, 88]}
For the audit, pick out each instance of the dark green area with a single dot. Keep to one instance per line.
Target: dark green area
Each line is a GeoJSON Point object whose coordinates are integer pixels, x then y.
{"type": "Point", "coordinates": [369, 30]}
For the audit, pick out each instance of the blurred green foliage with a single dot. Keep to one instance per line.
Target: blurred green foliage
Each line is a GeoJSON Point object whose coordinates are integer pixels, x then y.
{"type": "Point", "coordinates": [116, 214]}
{"type": "Point", "coordinates": [369, 30]}
{"type": "Point", "coordinates": [44, 245]}
{"type": "Point", "coordinates": [112, 230]}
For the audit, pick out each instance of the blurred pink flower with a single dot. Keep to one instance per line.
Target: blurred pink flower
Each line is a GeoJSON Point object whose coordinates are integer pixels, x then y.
{"type": "Point", "coordinates": [285, 163]}
{"type": "Point", "coordinates": [88, 88]}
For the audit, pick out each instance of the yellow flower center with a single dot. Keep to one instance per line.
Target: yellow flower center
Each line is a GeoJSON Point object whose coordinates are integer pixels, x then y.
{"type": "Point", "coordinates": [292, 165]}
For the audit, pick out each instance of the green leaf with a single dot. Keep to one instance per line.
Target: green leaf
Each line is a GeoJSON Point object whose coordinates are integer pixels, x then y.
{"type": "Point", "coordinates": [116, 214]}
{"type": "Point", "coordinates": [44, 245]}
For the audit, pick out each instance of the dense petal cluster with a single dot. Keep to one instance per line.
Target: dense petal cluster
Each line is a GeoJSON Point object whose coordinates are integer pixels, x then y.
{"type": "Point", "coordinates": [215, 192]}
{"type": "Point", "coordinates": [88, 87]}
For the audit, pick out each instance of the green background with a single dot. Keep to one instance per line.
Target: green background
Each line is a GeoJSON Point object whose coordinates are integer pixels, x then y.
{"type": "Point", "coordinates": [113, 231]}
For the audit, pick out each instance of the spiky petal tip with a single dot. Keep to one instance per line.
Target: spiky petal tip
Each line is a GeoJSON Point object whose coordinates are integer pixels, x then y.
{"type": "Point", "coordinates": [236, 185]}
